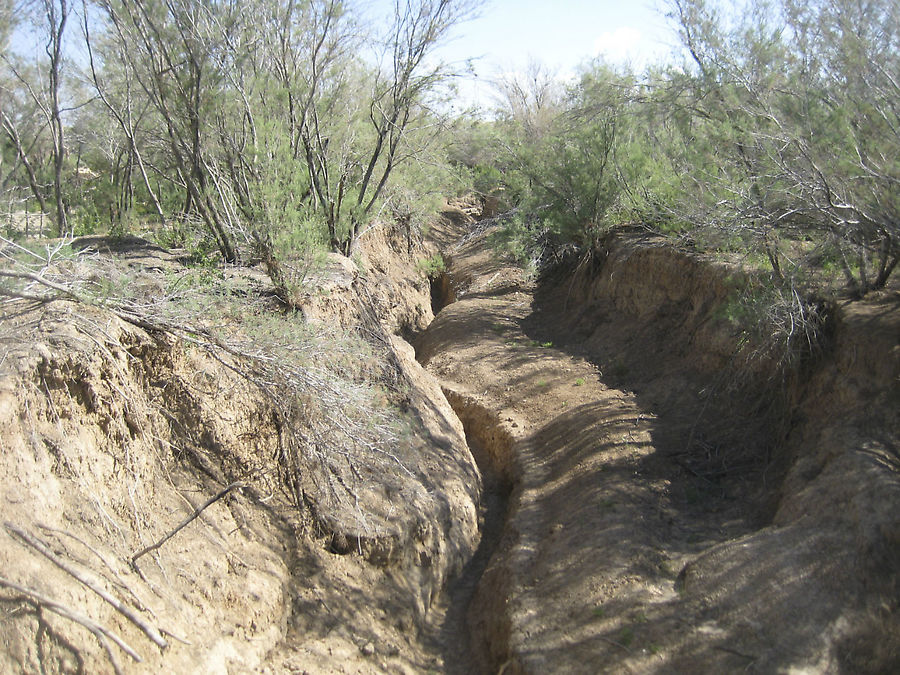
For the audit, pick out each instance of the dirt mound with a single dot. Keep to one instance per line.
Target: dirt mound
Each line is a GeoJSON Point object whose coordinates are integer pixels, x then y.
{"type": "Point", "coordinates": [385, 283]}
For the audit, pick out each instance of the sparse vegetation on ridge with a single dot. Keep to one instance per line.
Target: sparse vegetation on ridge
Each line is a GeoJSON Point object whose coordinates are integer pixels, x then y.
{"type": "Point", "coordinates": [331, 390]}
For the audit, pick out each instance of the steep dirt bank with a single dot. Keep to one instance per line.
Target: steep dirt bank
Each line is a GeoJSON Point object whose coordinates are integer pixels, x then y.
{"type": "Point", "coordinates": [673, 510]}
{"type": "Point", "coordinates": [113, 433]}
{"type": "Point", "coordinates": [106, 445]}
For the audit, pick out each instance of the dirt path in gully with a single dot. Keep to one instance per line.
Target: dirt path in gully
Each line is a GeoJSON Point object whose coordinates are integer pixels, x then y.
{"type": "Point", "coordinates": [587, 523]}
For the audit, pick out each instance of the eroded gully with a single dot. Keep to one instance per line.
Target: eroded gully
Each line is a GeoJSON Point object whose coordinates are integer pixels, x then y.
{"type": "Point", "coordinates": [583, 528]}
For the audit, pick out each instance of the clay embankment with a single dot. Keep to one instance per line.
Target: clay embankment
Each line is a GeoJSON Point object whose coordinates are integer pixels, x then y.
{"type": "Point", "coordinates": [113, 433]}
{"type": "Point", "coordinates": [673, 509]}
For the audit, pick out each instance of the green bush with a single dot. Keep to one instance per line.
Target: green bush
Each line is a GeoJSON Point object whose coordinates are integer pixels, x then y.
{"type": "Point", "coordinates": [432, 267]}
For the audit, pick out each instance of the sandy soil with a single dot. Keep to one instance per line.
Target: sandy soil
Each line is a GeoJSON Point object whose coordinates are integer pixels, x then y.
{"type": "Point", "coordinates": [111, 434]}
{"type": "Point", "coordinates": [639, 535]}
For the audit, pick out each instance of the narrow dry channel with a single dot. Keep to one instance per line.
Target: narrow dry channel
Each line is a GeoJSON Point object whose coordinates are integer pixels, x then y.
{"type": "Point", "coordinates": [588, 520]}
{"type": "Point", "coordinates": [460, 652]}
{"type": "Point", "coordinates": [491, 446]}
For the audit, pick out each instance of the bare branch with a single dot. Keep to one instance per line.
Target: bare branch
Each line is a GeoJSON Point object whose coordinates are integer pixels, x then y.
{"type": "Point", "coordinates": [39, 546]}
{"type": "Point", "coordinates": [187, 521]}
{"type": "Point", "coordinates": [99, 631]}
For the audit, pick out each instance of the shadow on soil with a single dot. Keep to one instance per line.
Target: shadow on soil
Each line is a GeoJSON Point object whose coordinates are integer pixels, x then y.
{"type": "Point", "coordinates": [744, 594]}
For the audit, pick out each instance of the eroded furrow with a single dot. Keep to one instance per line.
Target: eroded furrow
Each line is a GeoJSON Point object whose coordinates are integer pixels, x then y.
{"type": "Point", "coordinates": [465, 646]}
{"type": "Point", "coordinates": [672, 506]}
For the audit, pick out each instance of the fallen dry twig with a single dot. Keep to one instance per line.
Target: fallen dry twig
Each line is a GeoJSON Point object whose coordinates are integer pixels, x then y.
{"type": "Point", "coordinates": [99, 631]}
{"type": "Point", "coordinates": [187, 521]}
{"type": "Point", "coordinates": [119, 581]}
{"type": "Point", "coordinates": [148, 630]}
{"type": "Point", "coordinates": [28, 276]}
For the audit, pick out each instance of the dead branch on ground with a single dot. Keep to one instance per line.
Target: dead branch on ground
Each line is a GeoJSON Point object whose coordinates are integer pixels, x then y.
{"type": "Point", "coordinates": [99, 631]}
{"type": "Point", "coordinates": [187, 521]}
{"type": "Point", "coordinates": [119, 581]}
{"type": "Point", "coordinates": [148, 630]}
{"type": "Point", "coordinates": [29, 276]}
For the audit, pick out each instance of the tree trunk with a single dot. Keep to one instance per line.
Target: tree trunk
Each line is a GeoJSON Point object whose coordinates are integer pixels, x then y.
{"type": "Point", "coordinates": [57, 26]}
{"type": "Point", "coordinates": [23, 157]}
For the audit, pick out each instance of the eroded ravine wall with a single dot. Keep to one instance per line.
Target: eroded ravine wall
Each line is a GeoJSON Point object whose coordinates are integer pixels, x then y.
{"type": "Point", "coordinates": [816, 578]}
{"type": "Point", "coordinates": [111, 435]}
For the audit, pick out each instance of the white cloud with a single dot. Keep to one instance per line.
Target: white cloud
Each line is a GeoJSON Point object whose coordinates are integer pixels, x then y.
{"type": "Point", "coordinates": [621, 44]}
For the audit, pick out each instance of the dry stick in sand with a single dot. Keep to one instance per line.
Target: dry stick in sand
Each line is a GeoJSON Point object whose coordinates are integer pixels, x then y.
{"type": "Point", "coordinates": [139, 604]}
{"type": "Point", "coordinates": [209, 502]}
{"type": "Point", "coordinates": [41, 280]}
{"type": "Point", "coordinates": [100, 632]}
{"type": "Point", "coordinates": [151, 632]}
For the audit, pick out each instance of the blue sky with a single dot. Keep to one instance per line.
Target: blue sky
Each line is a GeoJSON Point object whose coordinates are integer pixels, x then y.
{"type": "Point", "coordinates": [560, 34]}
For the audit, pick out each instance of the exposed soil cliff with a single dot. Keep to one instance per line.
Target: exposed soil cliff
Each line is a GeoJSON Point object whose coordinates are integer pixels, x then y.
{"type": "Point", "coordinates": [114, 433]}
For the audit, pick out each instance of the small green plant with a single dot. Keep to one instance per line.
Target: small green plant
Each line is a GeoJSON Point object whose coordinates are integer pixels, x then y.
{"type": "Point", "coordinates": [546, 345]}
{"type": "Point", "coordinates": [83, 225]}
{"type": "Point", "coordinates": [579, 382]}
{"type": "Point", "coordinates": [432, 267]}
{"type": "Point", "coordinates": [174, 234]}
{"type": "Point", "coordinates": [520, 238]}
{"type": "Point", "coordinates": [626, 637]}
{"type": "Point", "coordinates": [202, 275]}
{"type": "Point", "coordinates": [599, 612]}
{"type": "Point", "coordinates": [121, 227]}
{"type": "Point", "coordinates": [360, 264]}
